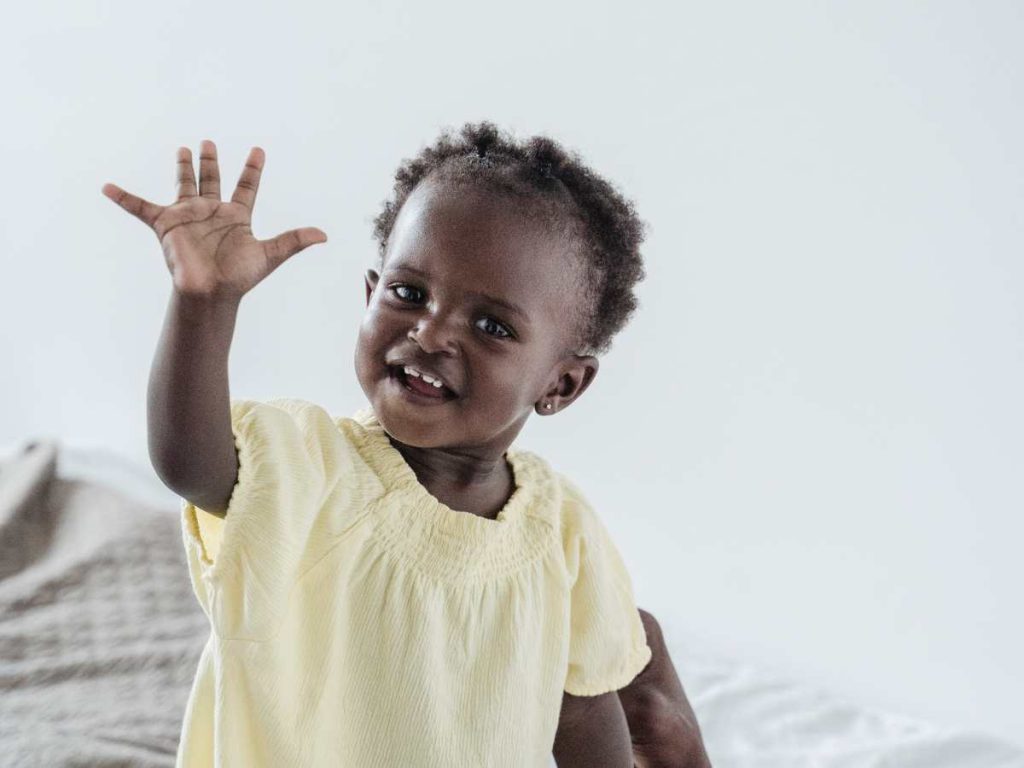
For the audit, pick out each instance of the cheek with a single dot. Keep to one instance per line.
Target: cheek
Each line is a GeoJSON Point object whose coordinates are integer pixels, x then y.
{"type": "Point", "coordinates": [507, 384]}
{"type": "Point", "coordinates": [374, 325]}
{"type": "Point", "coordinates": [371, 339]}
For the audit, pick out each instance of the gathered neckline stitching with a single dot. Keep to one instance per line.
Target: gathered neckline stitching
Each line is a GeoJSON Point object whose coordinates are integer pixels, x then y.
{"type": "Point", "coordinates": [454, 545]}
{"type": "Point", "coordinates": [398, 476]}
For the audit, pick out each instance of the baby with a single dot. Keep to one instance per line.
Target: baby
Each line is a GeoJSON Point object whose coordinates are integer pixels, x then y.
{"type": "Point", "coordinates": [405, 587]}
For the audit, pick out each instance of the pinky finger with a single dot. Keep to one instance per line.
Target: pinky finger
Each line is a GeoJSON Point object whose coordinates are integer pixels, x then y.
{"type": "Point", "coordinates": [141, 209]}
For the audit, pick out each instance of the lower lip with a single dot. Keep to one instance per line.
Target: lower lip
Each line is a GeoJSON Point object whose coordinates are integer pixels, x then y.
{"type": "Point", "coordinates": [411, 394]}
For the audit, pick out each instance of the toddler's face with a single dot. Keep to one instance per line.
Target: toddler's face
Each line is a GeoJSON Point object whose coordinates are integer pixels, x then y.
{"type": "Point", "coordinates": [455, 264]}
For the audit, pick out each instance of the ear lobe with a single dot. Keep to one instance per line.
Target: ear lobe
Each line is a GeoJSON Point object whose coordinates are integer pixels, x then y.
{"type": "Point", "coordinates": [371, 279]}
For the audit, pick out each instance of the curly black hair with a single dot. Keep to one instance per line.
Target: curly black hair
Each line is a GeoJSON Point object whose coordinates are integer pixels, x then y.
{"type": "Point", "coordinates": [558, 188]}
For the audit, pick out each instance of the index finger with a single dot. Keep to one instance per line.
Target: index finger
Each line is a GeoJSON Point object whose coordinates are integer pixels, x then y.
{"type": "Point", "coordinates": [249, 181]}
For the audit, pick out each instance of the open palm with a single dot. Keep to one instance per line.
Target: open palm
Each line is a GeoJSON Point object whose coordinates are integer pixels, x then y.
{"type": "Point", "coordinates": [208, 243]}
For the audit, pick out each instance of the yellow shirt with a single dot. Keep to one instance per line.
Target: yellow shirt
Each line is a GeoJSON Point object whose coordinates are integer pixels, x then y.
{"type": "Point", "coordinates": [356, 621]}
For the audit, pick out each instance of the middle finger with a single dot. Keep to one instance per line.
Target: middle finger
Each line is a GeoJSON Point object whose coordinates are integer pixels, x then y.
{"type": "Point", "coordinates": [186, 174]}
{"type": "Point", "coordinates": [209, 172]}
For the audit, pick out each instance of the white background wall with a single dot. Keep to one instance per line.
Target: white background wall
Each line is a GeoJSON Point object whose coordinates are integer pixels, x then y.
{"type": "Point", "coordinates": [808, 443]}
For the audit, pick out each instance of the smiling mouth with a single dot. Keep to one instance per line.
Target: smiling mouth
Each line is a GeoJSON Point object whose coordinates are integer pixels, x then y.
{"type": "Point", "coordinates": [418, 387]}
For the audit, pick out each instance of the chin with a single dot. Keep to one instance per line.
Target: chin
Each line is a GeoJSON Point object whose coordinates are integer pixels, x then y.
{"type": "Point", "coordinates": [404, 427]}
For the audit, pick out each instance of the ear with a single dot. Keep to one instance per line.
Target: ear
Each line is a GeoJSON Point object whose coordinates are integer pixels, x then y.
{"type": "Point", "coordinates": [573, 376]}
{"type": "Point", "coordinates": [371, 278]}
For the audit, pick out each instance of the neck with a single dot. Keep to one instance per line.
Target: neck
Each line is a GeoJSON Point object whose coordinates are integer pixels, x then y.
{"type": "Point", "coordinates": [471, 482]}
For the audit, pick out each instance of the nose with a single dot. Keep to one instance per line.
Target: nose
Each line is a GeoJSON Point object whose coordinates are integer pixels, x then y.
{"type": "Point", "coordinates": [433, 334]}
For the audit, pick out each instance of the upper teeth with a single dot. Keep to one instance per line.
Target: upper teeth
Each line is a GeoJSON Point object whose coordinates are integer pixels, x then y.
{"type": "Point", "coordinates": [429, 379]}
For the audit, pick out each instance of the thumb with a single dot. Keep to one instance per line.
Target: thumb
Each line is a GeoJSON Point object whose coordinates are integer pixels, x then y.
{"type": "Point", "coordinates": [291, 242]}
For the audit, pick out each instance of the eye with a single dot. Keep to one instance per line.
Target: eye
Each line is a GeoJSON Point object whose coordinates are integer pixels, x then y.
{"type": "Point", "coordinates": [489, 323]}
{"type": "Point", "coordinates": [409, 294]}
{"type": "Point", "coordinates": [398, 289]}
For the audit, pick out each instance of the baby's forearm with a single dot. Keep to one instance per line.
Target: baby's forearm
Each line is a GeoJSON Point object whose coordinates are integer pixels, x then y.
{"type": "Point", "coordinates": [191, 444]}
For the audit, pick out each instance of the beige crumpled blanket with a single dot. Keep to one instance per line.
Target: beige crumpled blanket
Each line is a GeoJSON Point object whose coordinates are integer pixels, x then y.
{"type": "Point", "coordinates": [100, 633]}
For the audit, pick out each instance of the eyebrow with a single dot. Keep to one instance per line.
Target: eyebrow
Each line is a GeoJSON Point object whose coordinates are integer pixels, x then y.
{"type": "Point", "coordinates": [515, 308]}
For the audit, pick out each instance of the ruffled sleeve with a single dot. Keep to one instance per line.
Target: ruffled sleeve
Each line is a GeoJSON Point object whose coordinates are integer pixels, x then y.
{"type": "Point", "coordinates": [242, 566]}
{"type": "Point", "coordinates": [607, 642]}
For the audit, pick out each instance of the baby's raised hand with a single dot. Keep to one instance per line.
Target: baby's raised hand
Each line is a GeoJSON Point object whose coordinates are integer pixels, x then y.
{"type": "Point", "coordinates": [208, 243]}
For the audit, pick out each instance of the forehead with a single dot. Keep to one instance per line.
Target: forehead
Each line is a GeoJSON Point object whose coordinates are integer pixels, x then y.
{"type": "Point", "coordinates": [475, 240]}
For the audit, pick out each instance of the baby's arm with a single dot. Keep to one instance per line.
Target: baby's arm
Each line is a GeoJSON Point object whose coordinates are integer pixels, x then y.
{"type": "Point", "coordinates": [592, 731]}
{"type": "Point", "coordinates": [662, 723]}
{"type": "Point", "coordinates": [214, 261]}
{"type": "Point", "coordinates": [662, 730]}
{"type": "Point", "coordinates": [191, 444]}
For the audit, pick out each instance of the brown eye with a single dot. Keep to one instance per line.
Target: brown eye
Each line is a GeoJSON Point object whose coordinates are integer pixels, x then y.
{"type": "Point", "coordinates": [398, 291]}
{"type": "Point", "coordinates": [500, 330]}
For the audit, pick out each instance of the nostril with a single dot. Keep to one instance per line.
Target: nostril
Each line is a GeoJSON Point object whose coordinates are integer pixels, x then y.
{"type": "Point", "coordinates": [433, 336]}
